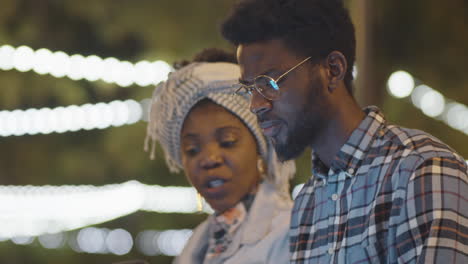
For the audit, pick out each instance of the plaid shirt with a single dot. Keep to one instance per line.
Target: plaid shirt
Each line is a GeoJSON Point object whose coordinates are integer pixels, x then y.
{"type": "Point", "coordinates": [391, 195]}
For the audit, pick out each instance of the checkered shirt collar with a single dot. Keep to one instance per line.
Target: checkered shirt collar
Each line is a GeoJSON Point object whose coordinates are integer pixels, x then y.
{"type": "Point", "coordinates": [353, 152]}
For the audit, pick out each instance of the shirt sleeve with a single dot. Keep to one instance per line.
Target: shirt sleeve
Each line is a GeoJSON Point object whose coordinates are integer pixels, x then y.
{"type": "Point", "coordinates": [434, 226]}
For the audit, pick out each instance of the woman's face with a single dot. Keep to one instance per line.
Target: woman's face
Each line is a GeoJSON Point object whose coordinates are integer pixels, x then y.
{"type": "Point", "coordinates": [219, 155]}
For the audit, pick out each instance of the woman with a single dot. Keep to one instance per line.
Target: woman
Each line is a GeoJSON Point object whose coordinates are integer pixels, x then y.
{"type": "Point", "coordinates": [209, 133]}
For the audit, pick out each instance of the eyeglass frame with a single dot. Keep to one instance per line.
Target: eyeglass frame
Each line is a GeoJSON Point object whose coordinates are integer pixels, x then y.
{"type": "Point", "coordinates": [250, 88]}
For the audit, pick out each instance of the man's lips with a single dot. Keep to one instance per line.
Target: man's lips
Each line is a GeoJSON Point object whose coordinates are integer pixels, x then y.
{"type": "Point", "coordinates": [270, 128]}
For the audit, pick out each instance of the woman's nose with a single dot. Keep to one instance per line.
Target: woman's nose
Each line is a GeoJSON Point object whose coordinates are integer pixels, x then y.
{"type": "Point", "coordinates": [211, 160]}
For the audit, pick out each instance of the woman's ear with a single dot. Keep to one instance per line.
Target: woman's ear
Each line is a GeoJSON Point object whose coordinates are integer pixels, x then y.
{"type": "Point", "coordinates": [261, 166]}
{"type": "Point", "coordinates": [336, 66]}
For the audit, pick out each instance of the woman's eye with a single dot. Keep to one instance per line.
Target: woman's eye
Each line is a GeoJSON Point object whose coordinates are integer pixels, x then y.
{"type": "Point", "coordinates": [228, 143]}
{"type": "Point", "coordinates": [191, 151]}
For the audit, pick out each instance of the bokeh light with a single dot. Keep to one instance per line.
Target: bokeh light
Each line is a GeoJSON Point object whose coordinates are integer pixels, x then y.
{"type": "Point", "coordinates": [432, 103]}
{"type": "Point", "coordinates": [400, 84]}
{"type": "Point", "coordinates": [119, 242]}
{"type": "Point", "coordinates": [77, 67]}
{"type": "Point", "coordinates": [52, 241]}
{"type": "Point", "coordinates": [70, 118]}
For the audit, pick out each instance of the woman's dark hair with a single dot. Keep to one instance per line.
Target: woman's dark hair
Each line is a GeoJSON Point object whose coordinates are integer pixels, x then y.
{"type": "Point", "coordinates": [209, 55]}
{"type": "Point", "coordinates": [307, 27]}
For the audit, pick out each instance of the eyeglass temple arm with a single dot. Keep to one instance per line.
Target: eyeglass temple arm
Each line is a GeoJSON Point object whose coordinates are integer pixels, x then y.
{"type": "Point", "coordinates": [290, 70]}
{"type": "Point", "coordinates": [243, 86]}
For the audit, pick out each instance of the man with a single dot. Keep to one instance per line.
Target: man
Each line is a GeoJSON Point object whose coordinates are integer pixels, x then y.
{"type": "Point", "coordinates": [380, 193]}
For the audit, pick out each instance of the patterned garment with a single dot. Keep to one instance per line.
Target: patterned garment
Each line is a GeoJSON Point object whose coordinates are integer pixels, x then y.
{"type": "Point", "coordinates": [391, 195]}
{"type": "Point", "coordinates": [224, 227]}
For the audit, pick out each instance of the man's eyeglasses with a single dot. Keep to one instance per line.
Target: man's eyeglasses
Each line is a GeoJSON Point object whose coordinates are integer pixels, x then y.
{"type": "Point", "coordinates": [266, 85]}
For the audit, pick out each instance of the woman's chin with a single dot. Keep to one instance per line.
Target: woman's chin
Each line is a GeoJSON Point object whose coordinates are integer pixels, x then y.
{"type": "Point", "coordinates": [220, 207]}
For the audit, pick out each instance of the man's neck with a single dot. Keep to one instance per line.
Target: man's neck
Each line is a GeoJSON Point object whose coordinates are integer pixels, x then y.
{"type": "Point", "coordinates": [337, 131]}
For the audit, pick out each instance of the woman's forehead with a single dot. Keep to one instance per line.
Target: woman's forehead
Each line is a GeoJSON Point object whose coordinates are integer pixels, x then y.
{"type": "Point", "coordinates": [209, 115]}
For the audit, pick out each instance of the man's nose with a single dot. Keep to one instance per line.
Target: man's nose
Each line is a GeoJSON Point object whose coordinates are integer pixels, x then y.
{"type": "Point", "coordinates": [259, 104]}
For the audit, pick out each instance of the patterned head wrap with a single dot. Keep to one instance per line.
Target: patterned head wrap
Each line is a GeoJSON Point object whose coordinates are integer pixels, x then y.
{"type": "Point", "coordinates": [172, 101]}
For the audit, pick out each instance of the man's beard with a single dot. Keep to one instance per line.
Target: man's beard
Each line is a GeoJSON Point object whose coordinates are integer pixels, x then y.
{"type": "Point", "coordinates": [299, 137]}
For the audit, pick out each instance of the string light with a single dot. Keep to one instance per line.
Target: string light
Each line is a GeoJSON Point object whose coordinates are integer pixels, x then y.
{"type": "Point", "coordinates": [431, 102]}
{"type": "Point", "coordinates": [71, 118]}
{"type": "Point", "coordinates": [77, 67]}
{"type": "Point", "coordinates": [28, 211]}
{"type": "Point", "coordinates": [93, 240]}
{"type": "Point", "coordinates": [167, 242]}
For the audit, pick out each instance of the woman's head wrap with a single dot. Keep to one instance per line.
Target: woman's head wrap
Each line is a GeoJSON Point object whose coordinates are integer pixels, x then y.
{"type": "Point", "coordinates": [173, 99]}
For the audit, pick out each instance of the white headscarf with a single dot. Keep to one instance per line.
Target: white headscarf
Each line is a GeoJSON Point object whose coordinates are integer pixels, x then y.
{"type": "Point", "coordinates": [172, 101]}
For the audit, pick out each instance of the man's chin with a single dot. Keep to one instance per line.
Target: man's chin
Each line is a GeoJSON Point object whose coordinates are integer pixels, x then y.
{"type": "Point", "coordinates": [286, 152]}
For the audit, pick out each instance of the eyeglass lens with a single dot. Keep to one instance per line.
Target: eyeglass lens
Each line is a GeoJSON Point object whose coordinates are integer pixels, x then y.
{"type": "Point", "coordinates": [267, 86]}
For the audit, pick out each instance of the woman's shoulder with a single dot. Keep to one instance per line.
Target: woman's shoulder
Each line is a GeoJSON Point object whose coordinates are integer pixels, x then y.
{"type": "Point", "coordinates": [269, 215]}
{"type": "Point", "coordinates": [193, 251]}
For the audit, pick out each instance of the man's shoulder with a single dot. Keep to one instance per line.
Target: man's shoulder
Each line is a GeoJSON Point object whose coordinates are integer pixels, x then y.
{"type": "Point", "coordinates": [417, 142]}
{"type": "Point", "coordinates": [415, 146]}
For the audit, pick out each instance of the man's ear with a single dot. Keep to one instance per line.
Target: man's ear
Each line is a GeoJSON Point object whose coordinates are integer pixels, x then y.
{"type": "Point", "coordinates": [336, 66]}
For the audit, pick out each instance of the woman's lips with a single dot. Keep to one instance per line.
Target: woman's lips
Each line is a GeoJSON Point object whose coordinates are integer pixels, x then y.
{"type": "Point", "coordinates": [215, 183]}
{"type": "Point", "coordinates": [214, 187]}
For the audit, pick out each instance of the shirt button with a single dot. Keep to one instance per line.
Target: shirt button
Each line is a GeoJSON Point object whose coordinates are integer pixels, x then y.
{"type": "Point", "coordinates": [330, 251]}
{"type": "Point", "coordinates": [334, 197]}
{"type": "Point", "coordinates": [351, 171]}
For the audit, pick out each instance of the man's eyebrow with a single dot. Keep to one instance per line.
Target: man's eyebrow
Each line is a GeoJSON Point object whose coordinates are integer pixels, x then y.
{"type": "Point", "coordinates": [268, 73]}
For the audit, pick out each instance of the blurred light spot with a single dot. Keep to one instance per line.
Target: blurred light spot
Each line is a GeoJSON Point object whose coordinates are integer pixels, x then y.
{"type": "Point", "coordinates": [92, 240]}
{"type": "Point", "coordinates": [7, 53]}
{"type": "Point", "coordinates": [41, 63]}
{"type": "Point", "coordinates": [432, 103]}
{"type": "Point", "coordinates": [77, 67]}
{"type": "Point", "coordinates": [125, 74]}
{"type": "Point", "coordinates": [119, 242]}
{"type": "Point", "coordinates": [73, 242]}
{"type": "Point", "coordinates": [59, 64]}
{"type": "Point", "coordinates": [456, 116]}
{"type": "Point", "coordinates": [94, 68]}
{"type": "Point", "coordinates": [145, 106]}
{"type": "Point", "coordinates": [23, 59]}
{"type": "Point", "coordinates": [146, 243]}
{"type": "Point", "coordinates": [418, 93]}
{"type": "Point", "coordinates": [161, 71]}
{"type": "Point", "coordinates": [171, 242]}
{"type": "Point", "coordinates": [135, 111]}
{"type": "Point", "coordinates": [52, 241]}
{"type": "Point", "coordinates": [22, 240]}
{"type": "Point", "coordinates": [400, 84]}
{"type": "Point", "coordinates": [355, 71]}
